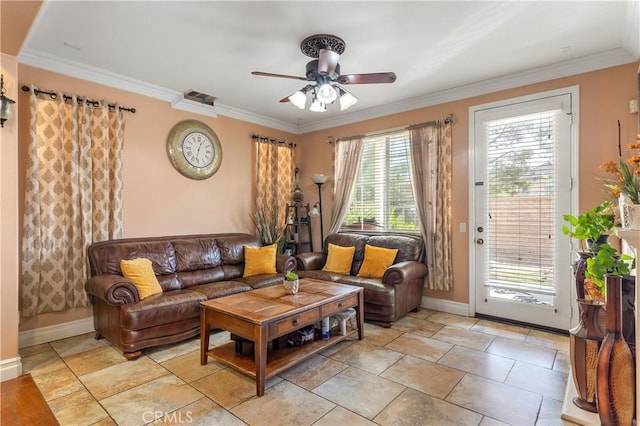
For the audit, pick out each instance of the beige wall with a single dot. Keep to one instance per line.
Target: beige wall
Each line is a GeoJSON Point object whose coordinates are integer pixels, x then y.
{"type": "Point", "coordinates": [604, 99]}
{"type": "Point", "coordinates": [157, 199]}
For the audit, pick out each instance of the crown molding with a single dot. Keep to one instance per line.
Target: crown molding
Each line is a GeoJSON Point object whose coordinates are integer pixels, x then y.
{"type": "Point", "coordinates": [190, 106]}
{"type": "Point", "coordinates": [581, 65]}
{"type": "Point", "coordinates": [97, 75]}
{"type": "Point", "coordinates": [631, 31]}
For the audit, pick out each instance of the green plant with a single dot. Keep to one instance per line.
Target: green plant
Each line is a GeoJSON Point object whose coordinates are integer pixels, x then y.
{"type": "Point", "coordinates": [591, 225]}
{"type": "Point", "coordinates": [290, 276]}
{"type": "Point", "coordinates": [607, 261]}
{"type": "Point", "coordinates": [269, 224]}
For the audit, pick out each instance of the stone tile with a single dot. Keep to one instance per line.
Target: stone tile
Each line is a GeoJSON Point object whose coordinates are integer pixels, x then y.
{"type": "Point", "coordinates": [150, 401]}
{"type": "Point", "coordinates": [312, 372]}
{"type": "Point", "coordinates": [35, 350]}
{"type": "Point", "coordinates": [418, 326]}
{"type": "Point", "coordinates": [425, 376]}
{"type": "Point", "coordinates": [77, 344]}
{"type": "Point", "coordinates": [229, 388]}
{"type": "Point", "coordinates": [479, 363]}
{"type": "Point", "coordinates": [283, 404]}
{"type": "Point", "coordinates": [488, 421]}
{"type": "Point", "coordinates": [57, 384]}
{"type": "Point", "coordinates": [422, 313]}
{"type": "Point", "coordinates": [551, 340]}
{"type": "Point", "coordinates": [42, 363]}
{"type": "Point", "coordinates": [79, 408]}
{"type": "Point", "coordinates": [188, 367]}
{"type": "Point", "coordinates": [94, 359]}
{"type": "Point", "coordinates": [339, 346]}
{"type": "Point", "coordinates": [463, 337]}
{"type": "Point", "coordinates": [522, 351]}
{"type": "Point", "coordinates": [380, 336]}
{"type": "Point", "coordinates": [341, 416]}
{"type": "Point", "coordinates": [105, 422]}
{"type": "Point", "coordinates": [166, 352]}
{"type": "Point", "coordinates": [358, 391]}
{"type": "Point", "coordinates": [368, 357]}
{"type": "Point", "coordinates": [550, 412]}
{"type": "Point", "coordinates": [539, 380]}
{"type": "Point", "coordinates": [507, 331]}
{"type": "Point", "coordinates": [562, 362]}
{"type": "Point", "coordinates": [203, 412]}
{"type": "Point", "coordinates": [415, 408]}
{"type": "Point", "coordinates": [454, 320]}
{"type": "Point", "coordinates": [420, 346]}
{"type": "Point", "coordinates": [496, 400]}
{"type": "Point", "coordinates": [121, 377]}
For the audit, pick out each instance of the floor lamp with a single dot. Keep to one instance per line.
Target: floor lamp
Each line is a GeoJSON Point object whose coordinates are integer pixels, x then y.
{"type": "Point", "coordinates": [319, 179]}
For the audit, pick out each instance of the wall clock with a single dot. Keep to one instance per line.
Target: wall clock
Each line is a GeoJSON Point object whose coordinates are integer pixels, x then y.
{"type": "Point", "coordinates": [194, 149]}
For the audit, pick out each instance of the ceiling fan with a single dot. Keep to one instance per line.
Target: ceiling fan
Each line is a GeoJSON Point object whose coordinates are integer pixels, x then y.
{"type": "Point", "coordinates": [324, 73]}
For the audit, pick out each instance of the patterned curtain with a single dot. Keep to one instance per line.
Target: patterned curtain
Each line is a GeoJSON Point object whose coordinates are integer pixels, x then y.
{"type": "Point", "coordinates": [347, 155]}
{"type": "Point", "coordinates": [73, 197]}
{"type": "Point", "coordinates": [431, 168]}
{"type": "Point", "coordinates": [275, 171]}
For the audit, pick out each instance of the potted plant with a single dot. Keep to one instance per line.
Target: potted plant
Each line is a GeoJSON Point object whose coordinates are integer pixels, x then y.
{"type": "Point", "coordinates": [591, 228]}
{"type": "Point", "coordinates": [607, 261]}
{"type": "Point", "coordinates": [269, 225]}
{"type": "Point", "coordinates": [291, 282]}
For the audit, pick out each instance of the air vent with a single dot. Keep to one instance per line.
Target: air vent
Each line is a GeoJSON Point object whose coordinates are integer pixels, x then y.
{"type": "Point", "coordinates": [196, 102]}
{"type": "Point", "coordinates": [202, 98]}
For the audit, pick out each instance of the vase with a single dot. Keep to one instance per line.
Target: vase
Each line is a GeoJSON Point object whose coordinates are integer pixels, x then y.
{"type": "Point", "coordinates": [584, 343]}
{"type": "Point", "coordinates": [291, 287]}
{"type": "Point", "coordinates": [615, 375]}
{"type": "Point", "coordinates": [629, 213]}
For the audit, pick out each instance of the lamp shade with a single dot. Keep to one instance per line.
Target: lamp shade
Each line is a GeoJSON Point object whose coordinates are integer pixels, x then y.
{"type": "Point", "coordinates": [299, 99]}
{"type": "Point", "coordinates": [319, 178]}
{"type": "Point", "coordinates": [317, 106]}
{"type": "Point", "coordinates": [347, 100]}
{"type": "Point", "coordinates": [326, 93]}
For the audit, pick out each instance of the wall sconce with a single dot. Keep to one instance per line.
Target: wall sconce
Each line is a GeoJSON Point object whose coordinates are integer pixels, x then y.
{"type": "Point", "coordinates": [5, 103]}
{"type": "Point", "coordinates": [319, 179]}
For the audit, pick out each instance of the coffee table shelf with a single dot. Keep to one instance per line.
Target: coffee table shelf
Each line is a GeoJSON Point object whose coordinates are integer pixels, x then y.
{"type": "Point", "coordinates": [278, 360]}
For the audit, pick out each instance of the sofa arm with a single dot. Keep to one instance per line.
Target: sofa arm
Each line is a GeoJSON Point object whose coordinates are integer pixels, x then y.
{"type": "Point", "coordinates": [404, 271]}
{"type": "Point", "coordinates": [113, 289]}
{"type": "Point", "coordinates": [285, 263]}
{"type": "Point", "coordinates": [311, 261]}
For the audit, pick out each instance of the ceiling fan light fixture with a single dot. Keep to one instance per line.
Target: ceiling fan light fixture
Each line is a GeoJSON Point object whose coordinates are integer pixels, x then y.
{"type": "Point", "coordinates": [317, 106]}
{"type": "Point", "coordinates": [299, 99]}
{"type": "Point", "coordinates": [347, 100]}
{"type": "Point", "coordinates": [326, 93]}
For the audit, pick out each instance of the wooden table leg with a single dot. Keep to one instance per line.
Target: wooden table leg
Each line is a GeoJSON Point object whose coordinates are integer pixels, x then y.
{"type": "Point", "coordinates": [205, 332]}
{"type": "Point", "coordinates": [360, 315]}
{"type": "Point", "coordinates": [260, 349]}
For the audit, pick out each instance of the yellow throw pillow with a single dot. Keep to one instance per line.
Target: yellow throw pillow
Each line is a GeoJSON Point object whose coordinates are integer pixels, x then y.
{"type": "Point", "coordinates": [339, 259]}
{"type": "Point", "coordinates": [140, 272]}
{"type": "Point", "coordinates": [376, 261]}
{"type": "Point", "coordinates": [259, 260]}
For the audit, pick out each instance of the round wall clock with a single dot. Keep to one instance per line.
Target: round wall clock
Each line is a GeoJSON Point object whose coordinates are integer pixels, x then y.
{"type": "Point", "coordinates": [194, 149]}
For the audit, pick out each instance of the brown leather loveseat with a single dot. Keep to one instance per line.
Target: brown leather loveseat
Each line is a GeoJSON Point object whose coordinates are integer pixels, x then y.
{"type": "Point", "coordinates": [189, 268]}
{"type": "Point", "coordinates": [386, 299]}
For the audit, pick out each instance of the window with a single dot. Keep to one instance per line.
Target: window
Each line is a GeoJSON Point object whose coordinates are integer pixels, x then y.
{"type": "Point", "coordinates": [382, 198]}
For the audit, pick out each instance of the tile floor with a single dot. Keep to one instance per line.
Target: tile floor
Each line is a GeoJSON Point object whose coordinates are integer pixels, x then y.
{"type": "Point", "coordinates": [430, 368]}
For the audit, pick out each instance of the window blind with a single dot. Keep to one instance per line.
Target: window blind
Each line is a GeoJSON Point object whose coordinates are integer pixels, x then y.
{"type": "Point", "coordinates": [383, 198]}
{"type": "Point", "coordinates": [521, 201]}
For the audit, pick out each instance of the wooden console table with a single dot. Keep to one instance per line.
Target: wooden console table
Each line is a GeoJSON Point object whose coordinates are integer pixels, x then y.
{"type": "Point", "coordinates": [268, 313]}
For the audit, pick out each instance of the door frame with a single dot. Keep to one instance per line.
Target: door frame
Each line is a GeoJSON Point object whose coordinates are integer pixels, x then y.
{"type": "Point", "coordinates": [574, 91]}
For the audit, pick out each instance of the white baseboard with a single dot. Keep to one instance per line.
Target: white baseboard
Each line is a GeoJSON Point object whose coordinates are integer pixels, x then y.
{"type": "Point", "coordinates": [10, 368]}
{"type": "Point", "coordinates": [447, 306]}
{"type": "Point", "coordinates": [54, 332]}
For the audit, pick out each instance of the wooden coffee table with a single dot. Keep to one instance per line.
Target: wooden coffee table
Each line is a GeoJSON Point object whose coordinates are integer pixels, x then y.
{"type": "Point", "coordinates": [268, 313]}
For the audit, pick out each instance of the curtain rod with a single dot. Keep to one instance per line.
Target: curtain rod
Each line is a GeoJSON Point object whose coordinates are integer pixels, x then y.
{"type": "Point", "coordinates": [66, 97]}
{"type": "Point", "coordinates": [259, 138]}
{"type": "Point", "coordinates": [447, 120]}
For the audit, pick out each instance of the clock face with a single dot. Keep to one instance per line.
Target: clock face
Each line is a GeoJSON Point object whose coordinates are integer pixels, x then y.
{"type": "Point", "coordinates": [194, 149]}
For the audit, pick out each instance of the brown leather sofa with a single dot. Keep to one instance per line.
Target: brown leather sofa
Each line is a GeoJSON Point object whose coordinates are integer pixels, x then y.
{"type": "Point", "coordinates": [190, 268]}
{"type": "Point", "coordinates": [385, 300]}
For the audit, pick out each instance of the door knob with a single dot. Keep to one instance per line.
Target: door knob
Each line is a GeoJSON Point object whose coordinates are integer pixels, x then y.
{"type": "Point", "coordinates": [479, 241]}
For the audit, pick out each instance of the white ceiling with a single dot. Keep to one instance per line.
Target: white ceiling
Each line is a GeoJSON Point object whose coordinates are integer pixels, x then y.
{"type": "Point", "coordinates": [440, 50]}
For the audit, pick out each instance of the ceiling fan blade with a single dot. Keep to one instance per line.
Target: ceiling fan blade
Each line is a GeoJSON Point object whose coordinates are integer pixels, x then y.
{"type": "Point", "coordinates": [327, 61]}
{"type": "Point", "coordinates": [269, 74]}
{"type": "Point", "coordinates": [304, 90]}
{"type": "Point", "coordinates": [376, 77]}
{"type": "Point", "coordinates": [285, 99]}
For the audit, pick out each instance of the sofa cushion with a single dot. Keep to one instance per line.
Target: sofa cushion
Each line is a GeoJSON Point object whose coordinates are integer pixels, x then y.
{"type": "Point", "coordinates": [232, 247]}
{"type": "Point", "coordinates": [203, 276]}
{"type": "Point", "coordinates": [197, 254]}
{"type": "Point", "coordinates": [263, 280]}
{"type": "Point", "coordinates": [376, 261]}
{"type": "Point", "coordinates": [409, 248]}
{"type": "Point", "coordinates": [140, 272]}
{"type": "Point", "coordinates": [162, 308]}
{"type": "Point", "coordinates": [107, 256]}
{"type": "Point", "coordinates": [339, 259]}
{"type": "Point", "coordinates": [346, 240]}
{"type": "Point", "coordinates": [221, 288]}
{"type": "Point", "coordinates": [259, 260]}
